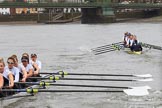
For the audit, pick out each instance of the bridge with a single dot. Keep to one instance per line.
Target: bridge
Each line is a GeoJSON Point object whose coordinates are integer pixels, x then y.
{"type": "Point", "coordinates": [79, 5]}
{"type": "Point", "coordinates": [92, 12]}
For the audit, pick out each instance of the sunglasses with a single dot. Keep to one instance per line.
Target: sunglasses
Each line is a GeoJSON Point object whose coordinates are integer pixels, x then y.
{"type": "Point", "coordinates": [10, 62]}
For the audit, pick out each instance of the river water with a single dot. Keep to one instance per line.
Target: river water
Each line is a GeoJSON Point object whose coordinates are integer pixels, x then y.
{"type": "Point", "coordinates": [67, 47]}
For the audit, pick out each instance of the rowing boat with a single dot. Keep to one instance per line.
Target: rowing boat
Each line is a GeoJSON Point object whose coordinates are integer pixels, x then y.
{"type": "Point", "coordinates": [126, 49]}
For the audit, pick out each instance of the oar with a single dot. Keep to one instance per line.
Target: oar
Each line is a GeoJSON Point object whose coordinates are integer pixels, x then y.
{"type": "Point", "coordinates": [150, 46]}
{"type": "Point", "coordinates": [42, 84]}
{"type": "Point", "coordinates": [89, 79]}
{"type": "Point", "coordinates": [93, 74]}
{"type": "Point", "coordinates": [102, 52]}
{"type": "Point", "coordinates": [132, 92]}
{"type": "Point", "coordinates": [104, 49]}
{"type": "Point", "coordinates": [108, 49]}
{"type": "Point", "coordinates": [106, 45]}
{"type": "Point", "coordinates": [113, 46]}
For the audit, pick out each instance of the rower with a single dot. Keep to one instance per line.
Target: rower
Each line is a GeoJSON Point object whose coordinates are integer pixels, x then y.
{"type": "Point", "coordinates": [28, 67]}
{"type": "Point", "coordinates": [125, 38]}
{"type": "Point", "coordinates": [12, 68]}
{"type": "Point", "coordinates": [7, 76]}
{"type": "Point", "coordinates": [37, 65]}
{"type": "Point", "coordinates": [1, 59]}
{"type": "Point", "coordinates": [25, 54]}
{"type": "Point", "coordinates": [129, 40]}
{"type": "Point", "coordinates": [21, 68]}
{"type": "Point", "coordinates": [135, 45]}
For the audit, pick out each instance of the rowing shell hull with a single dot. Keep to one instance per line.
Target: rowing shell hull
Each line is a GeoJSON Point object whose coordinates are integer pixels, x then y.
{"type": "Point", "coordinates": [132, 52]}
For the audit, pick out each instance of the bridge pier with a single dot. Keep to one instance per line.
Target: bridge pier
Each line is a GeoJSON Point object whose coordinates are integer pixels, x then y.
{"type": "Point", "coordinates": [97, 15]}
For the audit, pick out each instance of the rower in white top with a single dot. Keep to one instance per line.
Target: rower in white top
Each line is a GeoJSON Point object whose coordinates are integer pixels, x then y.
{"type": "Point", "coordinates": [28, 67]}
{"type": "Point", "coordinates": [21, 68]}
{"type": "Point", "coordinates": [37, 65]}
{"type": "Point", "coordinates": [12, 68]}
{"type": "Point", "coordinates": [7, 76]}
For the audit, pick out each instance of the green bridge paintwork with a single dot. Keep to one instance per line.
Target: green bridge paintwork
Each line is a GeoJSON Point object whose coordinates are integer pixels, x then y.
{"type": "Point", "coordinates": [78, 5]}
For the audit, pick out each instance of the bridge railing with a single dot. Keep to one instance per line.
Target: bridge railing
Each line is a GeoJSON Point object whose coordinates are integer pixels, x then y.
{"type": "Point", "coordinates": [77, 4]}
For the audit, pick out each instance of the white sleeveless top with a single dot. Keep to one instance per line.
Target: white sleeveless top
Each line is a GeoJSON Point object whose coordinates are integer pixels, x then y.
{"type": "Point", "coordinates": [20, 68]}
{"type": "Point", "coordinates": [6, 72]}
{"type": "Point", "coordinates": [15, 72]}
{"type": "Point", "coordinates": [28, 67]}
{"type": "Point", "coordinates": [37, 62]}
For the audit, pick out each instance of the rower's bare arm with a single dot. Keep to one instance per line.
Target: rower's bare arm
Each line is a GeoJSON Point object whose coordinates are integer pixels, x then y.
{"type": "Point", "coordinates": [11, 80]}
{"type": "Point", "coordinates": [1, 81]}
{"type": "Point", "coordinates": [30, 73]}
{"type": "Point", "coordinates": [24, 74]}
{"type": "Point", "coordinates": [37, 69]}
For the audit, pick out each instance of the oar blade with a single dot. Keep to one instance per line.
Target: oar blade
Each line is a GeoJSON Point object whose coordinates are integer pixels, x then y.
{"type": "Point", "coordinates": [144, 76]}
{"type": "Point", "coordinates": [145, 80]}
{"type": "Point", "coordinates": [145, 87]}
{"type": "Point", "coordinates": [136, 92]}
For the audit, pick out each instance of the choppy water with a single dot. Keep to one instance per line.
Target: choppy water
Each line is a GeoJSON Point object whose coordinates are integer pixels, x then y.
{"type": "Point", "coordinates": [67, 47]}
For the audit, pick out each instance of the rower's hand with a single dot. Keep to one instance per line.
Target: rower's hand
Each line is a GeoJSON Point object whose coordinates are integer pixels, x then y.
{"type": "Point", "coordinates": [11, 84]}
{"type": "Point", "coordinates": [23, 80]}
{"type": "Point", "coordinates": [36, 73]}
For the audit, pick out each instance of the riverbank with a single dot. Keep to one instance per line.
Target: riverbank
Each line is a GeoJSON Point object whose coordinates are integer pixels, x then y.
{"type": "Point", "coordinates": [18, 22]}
{"type": "Point", "coordinates": [143, 20]}
{"type": "Point", "coordinates": [128, 20]}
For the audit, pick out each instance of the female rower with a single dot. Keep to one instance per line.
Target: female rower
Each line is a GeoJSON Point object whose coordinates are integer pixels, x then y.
{"type": "Point", "coordinates": [12, 68]}
{"type": "Point", "coordinates": [25, 54]}
{"type": "Point", "coordinates": [28, 67]}
{"type": "Point", "coordinates": [7, 76]}
{"type": "Point", "coordinates": [21, 68]}
{"type": "Point", "coordinates": [37, 65]}
{"type": "Point", "coordinates": [125, 38]}
{"type": "Point", "coordinates": [135, 45]}
{"type": "Point", "coordinates": [1, 59]}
